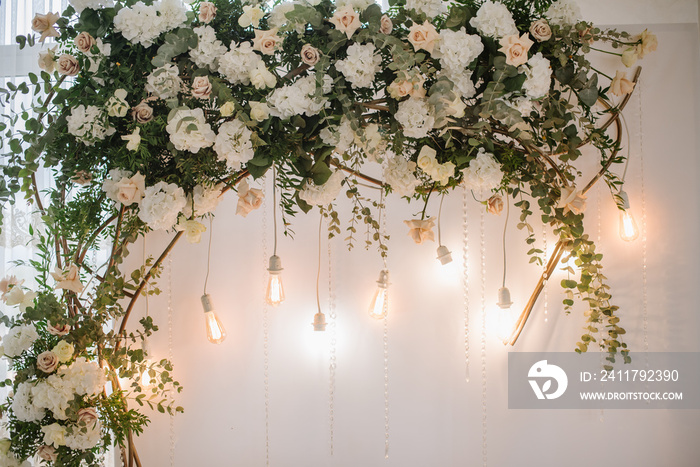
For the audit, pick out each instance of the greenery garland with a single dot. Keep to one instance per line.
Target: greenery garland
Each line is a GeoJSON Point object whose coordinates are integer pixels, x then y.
{"type": "Point", "coordinates": [147, 112]}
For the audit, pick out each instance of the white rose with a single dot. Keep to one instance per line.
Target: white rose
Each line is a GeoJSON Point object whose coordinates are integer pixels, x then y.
{"type": "Point", "coordinates": [63, 351]}
{"type": "Point", "coordinates": [262, 78]}
{"type": "Point", "coordinates": [54, 435]}
{"type": "Point", "coordinates": [259, 111]}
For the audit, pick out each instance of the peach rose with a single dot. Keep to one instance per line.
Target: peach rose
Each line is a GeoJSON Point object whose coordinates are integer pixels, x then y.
{"type": "Point", "coordinates": [69, 280]}
{"type": "Point", "coordinates": [82, 178]}
{"type": "Point", "coordinates": [586, 35]}
{"type": "Point", "coordinates": [43, 24]}
{"type": "Point", "coordinates": [310, 54]}
{"type": "Point", "coordinates": [620, 84]}
{"type": "Point", "coordinates": [84, 42]}
{"type": "Point", "coordinates": [423, 36]}
{"type": "Point", "coordinates": [88, 416]}
{"type": "Point", "coordinates": [142, 113]}
{"type": "Point", "coordinates": [130, 190]}
{"type": "Point", "coordinates": [68, 65]}
{"type": "Point", "coordinates": [571, 200]}
{"type": "Point", "coordinates": [207, 12]}
{"type": "Point", "coordinates": [47, 362]}
{"type": "Point", "coordinates": [201, 87]}
{"type": "Point", "coordinates": [58, 330]}
{"type": "Point", "coordinates": [346, 20]}
{"type": "Point", "coordinates": [402, 88]}
{"type": "Point", "coordinates": [47, 453]}
{"type": "Point", "coordinates": [266, 41]}
{"type": "Point", "coordinates": [495, 205]}
{"type": "Point", "coordinates": [540, 30]}
{"type": "Point", "coordinates": [386, 25]}
{"type": "Point", "coordinates": [421, 230]}
{"type": "Point", "coordinates": [7, 284]}
{"type": "Point", "coordinates": [515, 49]}
{"type": "Point", "coordinates": [248, 199]}
{"type": "Point", "coordinates": [47, 60]}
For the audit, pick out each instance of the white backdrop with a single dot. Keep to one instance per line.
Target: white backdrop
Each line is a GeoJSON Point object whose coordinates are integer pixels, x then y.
{"type": "Point", "coordinates": [436, 416]}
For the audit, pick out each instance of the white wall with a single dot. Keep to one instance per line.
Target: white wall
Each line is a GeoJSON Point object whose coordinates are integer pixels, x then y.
{"type": "Point", "coordinates": [436, 416]}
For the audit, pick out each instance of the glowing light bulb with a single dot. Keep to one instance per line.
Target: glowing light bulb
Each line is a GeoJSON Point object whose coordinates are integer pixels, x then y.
{"type": "Point", "coordinates": [628, 227]}
{"type": "Point", "coordinates": [319, 323]}
{"type": "Point", "coordinates": [145, 376]}
{"type": "Point", "coordinates": [505, 319]}
{"type": "Point", "coordinates": [215, 330]}
{"type": "Point", "coordinates": [378, 307]}
{"type": "Point", "coordinates": [275, 291]}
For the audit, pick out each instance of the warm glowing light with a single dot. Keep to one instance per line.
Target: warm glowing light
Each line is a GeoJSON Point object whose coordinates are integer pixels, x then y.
{"type": "Point", "coordinates": [145, 376]}
{"type": "Point", "coordinates": [215, 330]}
{"type": "Point", "coordinates": [628, 227]}
{"type": "Point", "coordinates": [505, 316]}
{"type": "Point", "coordinates": [275, 290]}
{"type": "Point", "coordinates": [378, 308]}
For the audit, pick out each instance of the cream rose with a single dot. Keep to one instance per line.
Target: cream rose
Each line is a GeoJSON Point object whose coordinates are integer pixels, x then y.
{"type": "Point", "coordinates": [421, 230]}
{"type": "Point", "coordinates": [259, 111]}
{"type": "Point", "coordinates": [47, 362]}
{"type": "Point", "coordinates": [58, 329]}
{"type": "Point", "coordinates": [84, 42]}
{"type": "Point", "coordinates": [649, 43]}
{"type": "Point", "coordinates": [69, 280]}
{"type": "Point", "coordinates": [130, 190]}
{"type": "Point", "coordinates": [201, 87]}
{"type": "Point", "coordinates": [423, 36]}
{"type": "Point", "coordinates": [47, 453]}
{"type": "Point", "coordinates": [207, 12]}
{"type": "Point", "coordinates": [54, 434]}
{"type": "Point", "coordinates": [142, 113]}
{"type": "Point", "coordinates": [47, 60]}
{"type": "Point", "coordinates": [262, 78]}
{"type": "Point", "coordinates": [426, 158]}
{"type": "Point", "coordinates": [87, 416]}
{"type": "Point", "coordinates": [133, 140]}
{"type": "Point", "coordinates": [68, 65]}
{"type": "Point", "coordinates": [193, 229]}
{"type": "Point", "coordinates": [386, 25]}
{"type": "Point", "coordinates": [43, 24]}
{"type": "Point", "coordinates": [227, 109]}
{"type": "Point", "coordinates": [266, 42]}
{"type": "Point", "coordinates": [346, 20]}
{"type": "Point", "coordinates": [310, 54]}
{"type": "Point", "coordinates": [540, 30]}
{"type": "Point", "coordinates": [629, 57]}
{"type": "Point", "coordinates": [495, 205]}
{"type": "Point", "coordinates": [515, 49]}
{"type": "Point", "coordinates": [571, 200]}
{"type": "Point", "coordinates": [64, 351]}
{"type": "Point", "coordinates": [620, 84]}
{"type": "Point", "coordinates": [251, 16]}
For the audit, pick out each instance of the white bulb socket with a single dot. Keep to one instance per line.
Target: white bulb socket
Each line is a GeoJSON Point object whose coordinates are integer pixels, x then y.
{"type": "Point", "coordinates": [444, 255]}
{"type": "Point", "coordinates": [625, 200]}
{"type": "Point", "coordinates": [319, 322]}
{"type": "Point", "coordinates": [383, 281]}
{"type": "Point", "coordinates": [206, 303]}
{"type": "Point", "coordinates": [275, 265]}
{"type": "Point", "coordinates": [504, 298]}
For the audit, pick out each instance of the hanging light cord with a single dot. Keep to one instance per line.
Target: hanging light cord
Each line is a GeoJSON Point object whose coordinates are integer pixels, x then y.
{"type": "Point", "coordinates": [211, 232]}
{"type": "Point", "coordinates": [274, 207]}
{"type": "Point", "coordinates": [505, 227]}
{"type": "Point", "coordinates": [382, 223]}
{"type": "Point", "coordinates": [318, 273]}
{"type": "Point", "coordinates": [627, 162]}
{"type": "Point", "coordinates": [442, 198]}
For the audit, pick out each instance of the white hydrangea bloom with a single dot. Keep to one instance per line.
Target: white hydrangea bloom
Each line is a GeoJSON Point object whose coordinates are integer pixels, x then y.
{"type": "Point", "coordinates": [209, 48]}
{"type": "Point", "coordinates": [84, 438]}
{"type": "Point", "coordinates": [145, 23]}
{"type": "Point", "coordinates": [539, 76]}
{"type": "Point", "coordinates": [19, 339]}
{"type": "Point", "coordinates": [277, 16]}
{"type": "Point", "coordinates": [323, 195]}
{"type": "Point", "coordinates": [189, 131]}
{"type": "Point", "coordinates": [563, 13]}
{"type": "Point", "coordinates": [494, 20]}
{"type": "Point", "coordinates": [54, 394]}
{"type": "Point", "coordinates": [357, 5]}
{"type": "Point", "coordinates": [299, 98]}
{"type": "Point", "coordinates": [161, 205]}
{"type": "Point", "coordinates": [233, 144]}
{"type": "Point", "coordinates": [431, 8]}
{"type": "Point", "coordinates": [416, 117]}
{"type": "Point", "coordinates": [237, 64]}
{"type": "Point", "coordinates": [360, 66]}
{"type": "Point", "coordinates": [23, 406]}
{"type": "Point", "coordinates": [484, 172]}
{"type": "Point", "coordinates": [87, 378]}
{"type": "Point", "coordinates": [463, 84]}
{"type": "Point", "coordinates": [80, 5]}
{"type": "Point", "coordinates": [204, 199]}
{"type": "Point", "coordinates": [400, 175]}
{"type": "Point", "coordinates": [8, 458]}
{"type": "Point", "coordinates": [164, 82]}
{"type": "Point", "coordinates": [458, 49]}
{"type": "Point", "coordinates": [88, 124]}
{"type": "Point", "coordinates": [173, 14]}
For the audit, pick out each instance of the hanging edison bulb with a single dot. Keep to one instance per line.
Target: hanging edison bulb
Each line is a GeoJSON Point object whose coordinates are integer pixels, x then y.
{"type": "Point", "coordinates": [215, 330]}
{"type": "Point", "coordinates": [378, 307]}
{"type": "Point", "coordinates": [275, 290]}
{"type": "Point", "coordinates": [628, 226]}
